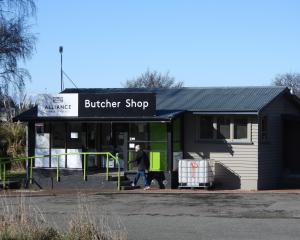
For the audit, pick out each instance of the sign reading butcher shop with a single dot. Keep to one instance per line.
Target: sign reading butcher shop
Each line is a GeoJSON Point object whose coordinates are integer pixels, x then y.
{"type": "Point", "coordinates": [97, 105]}
{"type": "Point", "coordinates": [117, 105]}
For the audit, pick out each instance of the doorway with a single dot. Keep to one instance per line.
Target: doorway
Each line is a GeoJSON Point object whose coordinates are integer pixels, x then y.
{"type": "Point", "coordinates": [114, 139]}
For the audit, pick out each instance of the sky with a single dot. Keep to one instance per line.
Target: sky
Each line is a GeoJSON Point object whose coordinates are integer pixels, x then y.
{"type": "Point", "coordinates": [202, 42]}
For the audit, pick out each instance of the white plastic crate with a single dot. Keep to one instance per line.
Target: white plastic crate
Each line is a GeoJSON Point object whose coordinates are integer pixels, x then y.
{"type": "Point", "coordinates": [195, 172]}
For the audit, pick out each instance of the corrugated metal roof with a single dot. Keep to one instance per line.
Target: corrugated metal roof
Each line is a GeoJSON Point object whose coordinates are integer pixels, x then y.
{"type": "Point", "coordinates": [215, 99]}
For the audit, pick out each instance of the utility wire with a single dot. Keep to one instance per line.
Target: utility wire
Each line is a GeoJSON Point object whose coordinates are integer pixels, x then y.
{"type": "Point", "coordinates": [70, 79]}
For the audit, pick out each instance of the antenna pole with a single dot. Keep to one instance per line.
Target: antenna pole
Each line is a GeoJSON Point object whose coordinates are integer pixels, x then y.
{"type": "Point", "coordinates": [61, 68]}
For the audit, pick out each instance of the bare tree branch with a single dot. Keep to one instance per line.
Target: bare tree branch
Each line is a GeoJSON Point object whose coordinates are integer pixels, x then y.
{"type": "Point", "coordinates": [17, 43]}
{"type": "Point", "coordinates": [153, 79]}
{"type": "Point", "coordinates": [290, 80]}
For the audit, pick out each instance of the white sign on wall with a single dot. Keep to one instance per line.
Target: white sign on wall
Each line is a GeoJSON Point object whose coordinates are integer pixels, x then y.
{"type": "Point", "coordinates": [58, 105]}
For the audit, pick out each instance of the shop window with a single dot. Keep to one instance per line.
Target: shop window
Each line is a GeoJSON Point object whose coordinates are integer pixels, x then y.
{"type": "Point", "coordinates": [58, 135]}
{"type": "Point", "coordinates": [264, 128]}
{"type": "Point", "coordinates": [240, 128]}
{"type": "Point", "coordinates": [91, 136]}
{"type": "Point", "coordinates": [138, 132]}
{"type": "Point", "coordinates": [39, 128]}
{"type": "Point", "coordinates": [152, 138]}
{"type": "Point", "coordinates": [74, 139]}
{"type": "Point", "coordinates": [106, 136]}
{"type": "Point", "coordinates": [223, 128]}
{"type": "Point", "coordinates": [206, 127]}
{"type": "Point", "coordinates": [42, 144]}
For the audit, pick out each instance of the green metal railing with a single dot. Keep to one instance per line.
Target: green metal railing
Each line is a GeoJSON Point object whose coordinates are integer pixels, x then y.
{"type": "Point", "coordinates": [29, 160]}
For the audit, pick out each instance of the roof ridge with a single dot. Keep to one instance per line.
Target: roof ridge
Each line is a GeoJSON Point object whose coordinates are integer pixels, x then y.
{"type": "Point", "coordinates": [212, 87]}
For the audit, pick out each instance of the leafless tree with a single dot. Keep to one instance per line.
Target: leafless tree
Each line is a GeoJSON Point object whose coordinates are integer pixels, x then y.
{"type": "Point", "coordinates": [290, 80]}
{"type": "Point", "coordinates": [17, 43]}
{"type": "Point", "coordinates": [153, 79]}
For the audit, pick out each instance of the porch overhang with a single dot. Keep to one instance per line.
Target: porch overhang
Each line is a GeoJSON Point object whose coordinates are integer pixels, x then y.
{"type": "Point", "coordinates": [225, 113]}
{"type": "Point", "coordinates": [161, 115]}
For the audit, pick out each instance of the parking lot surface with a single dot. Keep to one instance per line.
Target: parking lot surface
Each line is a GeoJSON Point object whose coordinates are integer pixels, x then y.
{"type": "Point", "coordinates": [184, 215]}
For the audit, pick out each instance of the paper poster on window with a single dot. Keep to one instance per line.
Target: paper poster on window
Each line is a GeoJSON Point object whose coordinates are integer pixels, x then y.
{"type": "Point", "coordinates": [42, 161]}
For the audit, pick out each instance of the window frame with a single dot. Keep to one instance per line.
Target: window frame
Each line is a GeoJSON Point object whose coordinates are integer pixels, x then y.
{"type": "Point", "coordinates": [230, 140]}
{"type": "Point", "coordinates": [235, 128]}
{"type": "Point", "coordinates": [225, 118]}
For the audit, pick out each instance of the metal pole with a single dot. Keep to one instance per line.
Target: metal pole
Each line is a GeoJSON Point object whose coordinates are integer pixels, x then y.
{"type": "Point", "coordinates": [84, 167]}
{"type": "Point", "coordinates": [61, 68]}
{"type": "Point", "coordinates": [117, 158]}
{"type": "Point", "coordinates": [57, 170]}
{"type": "Point", "coordinates": [30, 171]}
{"type": "Point", "coordinates": [4, 175]}
{"type": "Point", "coordinates": [107, 167]}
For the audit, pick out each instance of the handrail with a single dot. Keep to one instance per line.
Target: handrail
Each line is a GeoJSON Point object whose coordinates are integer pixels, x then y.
{"type": "Point", "coordinates": [30, 159]}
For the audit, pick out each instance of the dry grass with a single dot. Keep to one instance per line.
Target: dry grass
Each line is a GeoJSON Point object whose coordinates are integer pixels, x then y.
{"type": "Point", "coordinates": [22, 221]}
{"type": "Point", "coordinates": [86, 225]}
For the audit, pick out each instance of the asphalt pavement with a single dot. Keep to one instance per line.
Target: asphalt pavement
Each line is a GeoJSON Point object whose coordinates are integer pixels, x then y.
{"type": "Point", "coordinates": [186, 216]}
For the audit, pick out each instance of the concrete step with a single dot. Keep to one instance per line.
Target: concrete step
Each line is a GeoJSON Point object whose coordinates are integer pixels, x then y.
{"type": "Point", "coordinates": [74, 182]}
{"type": "Point", "coordinates": [11, 184]}
{"type": "Point", "coordinates": [129, 187]}
{"type": "Point", "coordinates": [130, 172]}
{"type": "Point", "coordinates": [113, 174]}
{"type": "Point", "coordinates": [125, 183]}
{"type": "Point", "coordinates": [115, 178]}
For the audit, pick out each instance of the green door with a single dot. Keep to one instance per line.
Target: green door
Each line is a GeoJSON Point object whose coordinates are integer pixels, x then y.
{"type": "Point", "coordinates": [158, 147]}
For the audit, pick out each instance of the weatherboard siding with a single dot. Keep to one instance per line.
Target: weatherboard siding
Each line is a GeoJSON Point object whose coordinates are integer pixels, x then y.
{"type": "Point", "coordinates": [270, 153]}
{"type": "Point", "coordinates": [236, 164]}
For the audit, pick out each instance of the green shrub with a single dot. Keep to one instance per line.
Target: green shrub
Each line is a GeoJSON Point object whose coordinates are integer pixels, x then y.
{"type": "Point", "coordinates": [13, 141]}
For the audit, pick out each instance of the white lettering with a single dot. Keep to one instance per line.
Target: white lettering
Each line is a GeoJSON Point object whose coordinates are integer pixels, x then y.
{"type": "Point", "coordinates": [130, 103]}
{"type": "Point", "coordinates": [87, 103]}
{"type": "Point", "coordinates": [53, 107]}
{"type": "Point", "coordinates": [145, 105]}
{"type": "Point", "coordinates": [99, 104]}
{"type": "Point", "coordinates": [127, 103]}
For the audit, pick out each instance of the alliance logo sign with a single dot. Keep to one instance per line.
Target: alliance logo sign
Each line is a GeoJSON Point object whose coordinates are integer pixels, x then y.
{"type": "Point", "coordinates": [58, 99]}
{"type": "Point", "coordinates": [59, 105]}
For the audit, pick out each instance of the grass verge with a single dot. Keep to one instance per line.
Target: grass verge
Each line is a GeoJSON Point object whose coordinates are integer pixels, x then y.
{"type": "Point", "coordinates": [22, 221]}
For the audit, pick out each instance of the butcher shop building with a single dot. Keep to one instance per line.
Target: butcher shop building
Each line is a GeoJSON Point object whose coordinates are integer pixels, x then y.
{"type": "Point", "coordinates": [251, 133]}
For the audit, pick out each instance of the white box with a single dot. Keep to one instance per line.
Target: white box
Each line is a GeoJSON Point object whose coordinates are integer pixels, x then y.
{"type": "Point", "coordinates": [41, 162]}
{"type": "Point", "coordinates": [74, 161]}
{"type": "Point", "coordinates": [195, 172]}
{"type": "Point", "coordinates": [111, 163]}
{"type": "Point", "coordinates": [61, 158]}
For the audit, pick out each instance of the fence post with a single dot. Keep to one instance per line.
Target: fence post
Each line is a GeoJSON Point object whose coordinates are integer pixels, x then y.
{"type": "Point", "coordinates": [30, 171]}
{"type": "Point", "coordinates": [84, 167]}
{"type": "Point", "coordinates": [57, 170]}
{"type": "Point", "coordinates": [4, 175]}
{"type": "Point", "coordinates": [106, 166]}
{"type": "Point", "coordinates": [117, 158]}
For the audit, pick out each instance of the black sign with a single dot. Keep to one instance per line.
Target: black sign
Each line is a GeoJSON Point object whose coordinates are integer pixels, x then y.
{"type": "Point", "coordinates": [116, 105]}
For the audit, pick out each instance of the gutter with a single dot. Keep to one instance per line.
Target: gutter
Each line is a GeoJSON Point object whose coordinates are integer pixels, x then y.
{"type": "Point", "coordinates": [226, 113]}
